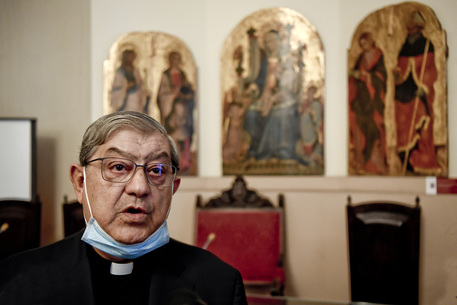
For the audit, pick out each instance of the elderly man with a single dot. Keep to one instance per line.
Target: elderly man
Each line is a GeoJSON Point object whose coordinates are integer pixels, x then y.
{"type": "Point", "coordinates": [125, 179]}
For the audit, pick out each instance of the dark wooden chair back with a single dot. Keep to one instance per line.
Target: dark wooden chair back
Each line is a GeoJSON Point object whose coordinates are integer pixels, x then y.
{"type": "Point", "coordinates": [384, 252]}
{"type": "Point", "coordinates": [73, 218]}
{"type": "Point", "coordinates": [20, 226]}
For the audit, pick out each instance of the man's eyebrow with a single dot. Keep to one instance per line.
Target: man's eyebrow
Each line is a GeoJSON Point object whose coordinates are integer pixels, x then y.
{"type": "Point", "coordinates": [161, 155]}
{"type": "Point", "coordinates": [120, 152]}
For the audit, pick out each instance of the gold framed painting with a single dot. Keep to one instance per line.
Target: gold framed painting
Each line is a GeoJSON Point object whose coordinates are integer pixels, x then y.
{"type": "Point", "coordinates": [155, 73]}
{"type": "Point", "coordinates": [273, 75]}
{"type": "Point", "coordinates": [397, 93]}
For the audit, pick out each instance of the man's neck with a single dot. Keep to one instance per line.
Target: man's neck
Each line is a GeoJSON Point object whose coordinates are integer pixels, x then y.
{"type": "Point", "coordinates": [111, 258]}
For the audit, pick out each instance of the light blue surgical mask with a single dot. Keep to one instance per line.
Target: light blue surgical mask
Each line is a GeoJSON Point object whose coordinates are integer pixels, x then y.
{"type": "Point", "coordinates": [95, 236]}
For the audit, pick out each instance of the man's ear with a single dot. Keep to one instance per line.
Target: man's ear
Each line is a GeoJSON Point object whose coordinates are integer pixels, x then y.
{"type": "Point", "coordinates": [77, 178]}
{"type": "Point", "coordinates": [176, 184]}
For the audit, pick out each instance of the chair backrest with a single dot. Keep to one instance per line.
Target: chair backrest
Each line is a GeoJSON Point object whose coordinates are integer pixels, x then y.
{"type": "Point", "coordinates": [246, 231]}
{"type": "Point", "coordinates": [73, 218]}
{"type": "Point", "coordinates": [20, 226]}
{"type": "Point", "coordinates": [384, 252]}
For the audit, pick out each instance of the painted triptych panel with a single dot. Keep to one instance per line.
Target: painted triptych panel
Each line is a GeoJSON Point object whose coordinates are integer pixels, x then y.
{"type": "Point", "coordinates": [273, 75]}
{"type": "Point", "coordinates": [397, 93]}
{"type": "Point", "coordinates": [155, 73]}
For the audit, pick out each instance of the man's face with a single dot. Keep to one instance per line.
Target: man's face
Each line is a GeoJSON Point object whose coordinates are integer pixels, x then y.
{"type": "Point", "coordinates": [272, 42]}
{"type": "Point", "coordinates": [413, 29]}
{"type": "Point", "coordinates": [175, 61]}
{"type": "Point", "coordinates": [132, 211]}
{"type": "Point", "coordinates": [366, 44]}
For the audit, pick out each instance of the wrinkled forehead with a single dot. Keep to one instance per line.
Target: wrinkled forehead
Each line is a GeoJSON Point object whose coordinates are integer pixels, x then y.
{"type": "Point", "coordinates": [136, 145]}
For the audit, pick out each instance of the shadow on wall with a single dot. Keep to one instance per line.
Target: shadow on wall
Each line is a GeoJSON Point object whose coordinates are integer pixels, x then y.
{"type": "Point", "coordinates": [46, 182]}
{"type": "Point", "coordinates": [446, 270]}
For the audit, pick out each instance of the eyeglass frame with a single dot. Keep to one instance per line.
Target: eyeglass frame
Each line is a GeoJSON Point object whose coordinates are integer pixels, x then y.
{"type": "Point", "coordinates": [174, 170]}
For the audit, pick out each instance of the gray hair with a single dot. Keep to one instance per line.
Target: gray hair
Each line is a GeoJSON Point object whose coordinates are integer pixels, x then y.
{"type": "Point", "coordinates": [99, 131]}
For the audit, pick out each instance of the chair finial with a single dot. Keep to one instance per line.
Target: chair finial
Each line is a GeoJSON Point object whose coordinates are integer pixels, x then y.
{"type": "Point", "coordinates": [199, 201]}
{"type": "Point", "coordinates": [281, 200]}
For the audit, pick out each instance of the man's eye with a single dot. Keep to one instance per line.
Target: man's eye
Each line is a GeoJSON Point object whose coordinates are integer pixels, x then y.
{"type": "Point", "coordinates": [156, 170]}
{"type": "Point", "coordinates": [119, 167]}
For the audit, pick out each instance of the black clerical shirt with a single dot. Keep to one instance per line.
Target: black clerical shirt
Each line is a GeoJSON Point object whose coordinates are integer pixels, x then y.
{"type": "Point", "coordinates": [118, 289]}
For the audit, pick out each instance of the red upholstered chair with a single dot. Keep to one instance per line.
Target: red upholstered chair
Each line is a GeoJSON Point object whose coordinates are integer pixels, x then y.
{"type": "Point", "coordinates": [246, 231]}
{"type": "Point", "coordinates": [384, 252]}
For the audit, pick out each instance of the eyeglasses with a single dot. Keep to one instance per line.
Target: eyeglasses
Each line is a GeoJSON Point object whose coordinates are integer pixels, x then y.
{"type": "Point", "coordinates": [121, 170]}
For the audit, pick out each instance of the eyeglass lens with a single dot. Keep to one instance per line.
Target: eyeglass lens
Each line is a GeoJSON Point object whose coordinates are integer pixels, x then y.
{"type": "Point", "coordinates": [122, 170]}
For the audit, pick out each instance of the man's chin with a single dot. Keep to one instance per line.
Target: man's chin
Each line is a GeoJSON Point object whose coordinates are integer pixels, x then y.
{"type": "Point", "coordinates": [132, 236]}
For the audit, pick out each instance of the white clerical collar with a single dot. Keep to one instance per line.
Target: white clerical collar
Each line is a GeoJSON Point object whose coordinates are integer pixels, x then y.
{"type": "Point", "coordinates": [121, 269]}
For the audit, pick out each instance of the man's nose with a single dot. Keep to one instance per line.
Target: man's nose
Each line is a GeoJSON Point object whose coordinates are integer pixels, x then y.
{"type": "Point", "coordinates": [138, 184]}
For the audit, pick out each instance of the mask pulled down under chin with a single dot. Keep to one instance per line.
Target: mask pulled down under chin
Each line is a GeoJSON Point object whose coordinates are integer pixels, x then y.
{"type": "Point", "coordinates": [95, 236]}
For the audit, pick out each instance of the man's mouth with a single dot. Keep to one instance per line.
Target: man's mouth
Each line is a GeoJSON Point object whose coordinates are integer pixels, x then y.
{"type": "Point", "coordinates": [136, 214]}
{"type": "Point", "coordinates": [134, 211]}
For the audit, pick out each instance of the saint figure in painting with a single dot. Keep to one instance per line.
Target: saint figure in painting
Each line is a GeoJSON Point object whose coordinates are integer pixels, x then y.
{"type": "Point", "coordinates": [234, 147]}
{"type": "Point", "coordinates": [311, 128]}
{"type": "Point", "coordinates": [128, 92]}
{"type": "Point", "coordinates": [175, 100]}
{"type": "Point", "coordinates": [367, 87]}
{"type": "Point", "coordinates": [414, 98]}
{"type": "Point", "coordinates": [272, 119]}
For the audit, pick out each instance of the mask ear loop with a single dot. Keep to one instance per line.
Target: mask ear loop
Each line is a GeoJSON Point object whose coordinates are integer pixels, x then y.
{"type": "Point", "coordinates": [87, 197]}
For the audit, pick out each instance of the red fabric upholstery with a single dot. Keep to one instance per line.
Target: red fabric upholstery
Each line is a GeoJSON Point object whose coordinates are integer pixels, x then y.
{"type": "Point", "coordinates": [250, 239]}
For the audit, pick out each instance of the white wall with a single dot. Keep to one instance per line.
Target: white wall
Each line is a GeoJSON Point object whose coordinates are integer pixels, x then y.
{"type": "Point", "coordinates": [204, 25]}
{"type": "Point", "coordinates": [17, 175]}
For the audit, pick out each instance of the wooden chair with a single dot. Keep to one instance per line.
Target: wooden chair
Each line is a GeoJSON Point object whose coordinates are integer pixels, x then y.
{"type": "Point", "coordinates": [384, 252]}
{"type": "Point", "coordinates": [20, 226]}
{"type": "Point", "coordinates": [73, 218]}
{"type": "Point", "coordinates": [246, 231]}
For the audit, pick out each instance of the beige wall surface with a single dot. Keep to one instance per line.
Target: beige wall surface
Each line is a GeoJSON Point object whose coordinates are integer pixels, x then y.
{"type": "Point", "coordinates": [44, 74]}
{"type": "Point", "coordinates": [51, 68]}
